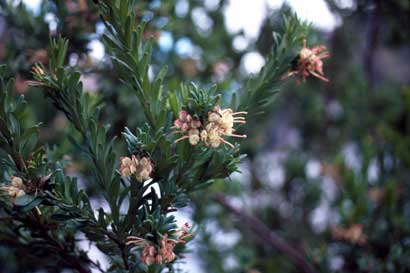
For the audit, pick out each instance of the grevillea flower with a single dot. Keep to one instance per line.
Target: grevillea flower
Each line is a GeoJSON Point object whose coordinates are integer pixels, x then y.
{"type": "Point", "coordinates": [219, 124]}
{"type": "Point", "coordinates": [353, 234]}
{"type": "Point", "coordinates": [310, 63]}
{"type": "Point", "coordinates": [149, 254]}
{"type": "Point", "coordinates": [188, 126]}
{"type": "Point", "coordinates": [162, 253]}
{"type": "Point", "coordinates": [142, 168]}
{"type": "Point", "coordinates": [182, 233]}
{"type": "Point", "coordinates": [16, 189]}
{"type": "Point", "coordinates": [128, 166]}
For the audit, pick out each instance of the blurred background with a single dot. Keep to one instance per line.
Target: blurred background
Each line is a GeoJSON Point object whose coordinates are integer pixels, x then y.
{"type": "Point", "coordinates": [328, 167]}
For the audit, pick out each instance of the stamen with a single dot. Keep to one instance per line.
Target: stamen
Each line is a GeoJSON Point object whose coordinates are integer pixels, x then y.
{"type": "Point", "coordinates": [38, 210]}
{"type": "Point", "coordinates": [227, 142]}
{"type": "Point", "coordinates": [240, 136]}
{"type": "Point", "coordinates": [319, 76]}
{"type": "Point", "coordinates": [181, 138]}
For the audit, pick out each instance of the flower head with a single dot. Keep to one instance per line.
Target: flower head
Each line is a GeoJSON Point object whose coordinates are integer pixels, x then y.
{"type": "Point", "coordinates": [186, 122]}
{"type": "Point", "coordinates": [193, 135]}
{"type": "Point", "coordinates": [310, 63]}
{"type": "Point", "coordinates": [152, 254]}
{"type": "Point", "coordinates": [166, 251]}
{"type": "Point", "coordinates": [160, 253]}
{"type": "Point", "coordinates": [16, 189]}
{"type": "Point", "coordinates": [182, 233]}
{"type": "Point", "coordinates": [219, 124]}
{"type": "Point", "coordinates": [142, 168]}
{"type": "Point", "coordinates": [149, 254]}
{"type": "Point", "coordinates": [188, 126]}
{"type": "Point", "coordinates": [353, 234]}
{"type": "Point", "coordinates": [127, 166]}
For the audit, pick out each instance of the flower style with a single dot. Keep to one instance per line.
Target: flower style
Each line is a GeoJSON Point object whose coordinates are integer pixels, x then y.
{"type": "Point", "coordinates": [164, 253]}
{"type": "Point", "coordinates": [16, 189]}
{"type": "Point", "coordinates": [219, 124]}
{"type": "Point", "coordinates": [310, 63]}
{"type": "Point", "coordinates": [142, 168]}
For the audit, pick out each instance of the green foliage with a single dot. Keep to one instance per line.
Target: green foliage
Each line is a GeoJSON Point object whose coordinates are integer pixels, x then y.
{"type": "Point", "coordinates": [16, 140]}
{"type": "Point", "coordinates": [85, 194]}
{"type": "Point", "coordinates": [179, 169]}
{"type": "Point", "coordinates": [261, 90]}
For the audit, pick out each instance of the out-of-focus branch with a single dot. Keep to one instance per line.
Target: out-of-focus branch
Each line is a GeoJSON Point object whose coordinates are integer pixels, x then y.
{"type": "Point", "coordinates": [371, 43]}
{"type": "Point", "coordinates": [268, 236]}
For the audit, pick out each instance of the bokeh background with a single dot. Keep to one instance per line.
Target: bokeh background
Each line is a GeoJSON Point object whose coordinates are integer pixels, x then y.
{"type": "Point", "coordinates": [328, 166]}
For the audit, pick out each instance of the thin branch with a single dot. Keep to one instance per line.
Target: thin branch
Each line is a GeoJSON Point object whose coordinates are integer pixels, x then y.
{"type": "Point", "coordinates": [96, 265]}
{"type": "Point", "coordinates": [371, 43]}
{"type": "Point", "coordinates": [121, 246]}
{"type": "Point", "coordinates": [269, 237]}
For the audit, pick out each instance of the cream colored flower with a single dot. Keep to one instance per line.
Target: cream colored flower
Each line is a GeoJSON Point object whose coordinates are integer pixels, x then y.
{"type": "Point", "coordinates": [142, 169]}
{"type": "Point", "coordinates": [354, 234]}
{"type": "Point", "coordinates": [214, 138]}
{"type": "Point", "coordinates": [219, 124]}
{"type": "Point", "coordinates": [16, 189]}
{"type": "Point", "coordinates": [222, 126]}
{"type": "Point", "coordinates": [193, 135]}
{"type": "Point", "coordinates": [310, 63]}
{"type": "Point", "coordinates": [214, 117]}
{"type": "Point", "coordinates": [127, 166]}
{"type": "Point", "coordinates": [164, 252]}
{"type": "Point", "coordinates": [188, 126]}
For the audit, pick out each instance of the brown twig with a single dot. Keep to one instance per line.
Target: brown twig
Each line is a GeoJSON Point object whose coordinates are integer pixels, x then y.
{"type": "Point", "coordinates": [35, 222]}
{"type": "Point", "coordinates": [269, 237]}
{"type": "Point", "coordinates": [96, 265]}
{"type": "Point", "coordinates": [122, 247]}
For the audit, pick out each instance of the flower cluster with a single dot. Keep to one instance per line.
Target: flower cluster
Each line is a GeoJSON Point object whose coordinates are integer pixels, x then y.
{"type": "Point", "coordinates": [16, 189]}
{"type": "Point", "coordinates": [353, 234]}
{"type": "Point", "coordinates": [219, 124]}
{"type": "Point", "coordinates": [310, 63]}
{"type": "Point", "coordinates": [164, 253]}
{"type": "Point", "coordinates": [142, 168]}
{"type": "Point", "coordinates": [187, 125]}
